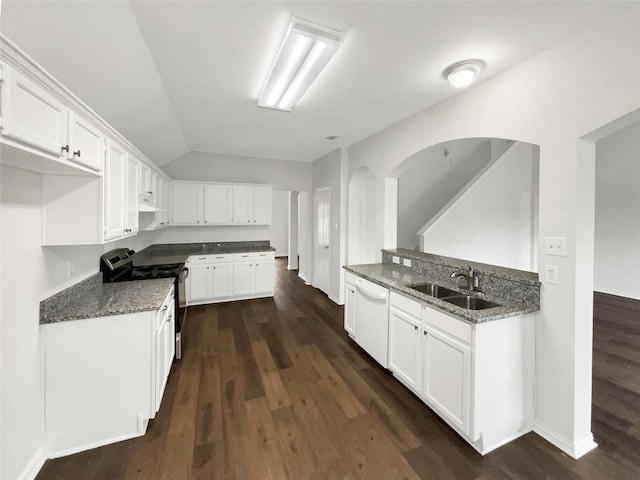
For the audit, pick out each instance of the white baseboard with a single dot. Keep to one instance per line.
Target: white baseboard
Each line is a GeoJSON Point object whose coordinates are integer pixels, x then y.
{"type": "Point", "coordinates": [34, 466]}
{"type": "Point", "coordinates": [303, 278]}
{"type": "Point", "coordinates": [335, 300]}
{"type": "Point", "coordinates": [91, 446]}
{"type": "Point", "coordinates": [573, 449]}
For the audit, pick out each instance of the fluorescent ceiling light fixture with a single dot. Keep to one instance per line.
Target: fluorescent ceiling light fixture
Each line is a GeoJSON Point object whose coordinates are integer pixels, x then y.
{"type": "Point", "coordinates": [305, 51]}
{"type": "Point", "coordinates": [463, 74]}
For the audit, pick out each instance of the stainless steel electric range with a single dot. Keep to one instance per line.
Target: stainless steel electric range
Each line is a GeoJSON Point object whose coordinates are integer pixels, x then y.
{"type": "Point", "coordinates": [117, 266]}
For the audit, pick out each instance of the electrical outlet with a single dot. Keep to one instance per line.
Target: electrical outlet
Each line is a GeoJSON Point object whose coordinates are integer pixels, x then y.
{"type": "Point", "coordinates": [395, 260]}
{"type": "Point", "coordinates": [406, 262]}
{"type": "Point", "coordinates": [551, 274]}
{"type": "Point", "coordinates": [241, 234]}
{"type": "Point", "coordinates": [555, 246]}
{"type": "Point", "coordinates": [69, 268]}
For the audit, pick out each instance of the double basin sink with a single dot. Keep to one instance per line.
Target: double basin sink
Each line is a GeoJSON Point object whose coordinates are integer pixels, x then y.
{"type": "Point", "coordinates": [466, 301]}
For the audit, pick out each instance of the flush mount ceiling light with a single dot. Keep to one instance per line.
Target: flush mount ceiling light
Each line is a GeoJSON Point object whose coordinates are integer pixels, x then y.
{"type": "Point", "coordinates": [305, 51]}
{"type": "Point", "coordinates": [463, 74]}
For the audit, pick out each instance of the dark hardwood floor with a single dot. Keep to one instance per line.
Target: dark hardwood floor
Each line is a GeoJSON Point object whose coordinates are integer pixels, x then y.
{"type": "Point", "coordinates": [274, 389]}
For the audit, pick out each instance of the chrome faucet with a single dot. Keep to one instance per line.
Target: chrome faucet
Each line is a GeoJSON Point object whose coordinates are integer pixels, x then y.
{"type": "Point", "coordinates": [470, 277]}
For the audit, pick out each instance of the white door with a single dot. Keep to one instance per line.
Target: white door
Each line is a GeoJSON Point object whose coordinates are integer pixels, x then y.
{"type": "Point", "coordinates": [32, 115]}
{"type": "Point", "coordinates": [404, 347]}
{"type": "Point", "coordinates": [265, 271]}
{"type": "Point", "coordinates": [114, 202]}
{"type": "Point", "coordinates": [446, 377]}
{"type": "Point", "coordinates": [244, 279]}
{"type": "Point", "coordinates": [217, 204]}
{"type": "Point", "coordinates": [86, 143]}
{"type": "Point", "coordinates": [200, 286]}
{"type": "Point", "coordinates": [262, 205]}
{"type": "Point", "coordinates": [222, 280]}
{"type": "Point", "coordinates": [187, 204]}
{"type": "Point", "coordinates": [243, 205]}
{"type": "Point", "coordinates": [349, 311]}
{"type": "Point", "coordinates": [131, 199]}
{"type": "Point", "coordinates": [322, 235]}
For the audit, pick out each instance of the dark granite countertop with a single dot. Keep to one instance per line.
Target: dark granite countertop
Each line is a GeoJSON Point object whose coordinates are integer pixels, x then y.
{"type": "Point", "coordinates": [159, 254]}
{"type": "Point", "coordinates": [91, 298]}
{"type": "Point", "coordinates": [397, 278]}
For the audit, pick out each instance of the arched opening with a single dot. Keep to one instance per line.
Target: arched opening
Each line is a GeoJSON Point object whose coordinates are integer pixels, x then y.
{"type": "Point", "coordinates": [474, 199]}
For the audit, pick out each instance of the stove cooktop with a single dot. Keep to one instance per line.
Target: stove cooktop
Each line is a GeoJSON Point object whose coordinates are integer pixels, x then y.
{"type": "Point", "coordinates": [156, 271]}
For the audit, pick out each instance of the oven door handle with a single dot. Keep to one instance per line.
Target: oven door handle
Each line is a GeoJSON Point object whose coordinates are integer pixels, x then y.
{"type": "Point", "coordinates": [184, 274]}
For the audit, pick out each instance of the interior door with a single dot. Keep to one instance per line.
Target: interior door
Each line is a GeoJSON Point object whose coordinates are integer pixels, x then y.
{"type": "Point", "coordinates": [322, 236]}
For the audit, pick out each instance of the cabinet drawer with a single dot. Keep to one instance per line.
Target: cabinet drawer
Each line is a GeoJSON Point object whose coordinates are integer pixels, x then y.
{"type": "Point", "coordinates": [448, 324]}
{"type": "Point", "coordinates": [407, 305]}
{"type": "Point", "coordinates": [220, 258]}
{"type": "Point", "coordinates": [250, 256]}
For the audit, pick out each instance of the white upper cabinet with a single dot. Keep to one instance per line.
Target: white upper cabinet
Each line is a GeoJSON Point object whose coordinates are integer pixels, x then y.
{"type": "Point", "coordinates": [114, 191]}
{"type": "Point", "coordinates": [121, 180]}
{"type": "Point", "coordinates": [262, 205]}
{"type": "Point", "coordinates": [217, 204]}
{"type": "Point", "coordinates": [252, 205]}
{"type": "Point", "coordinates": [86, 143]}
{"type": "Point", "coordinates": [187, 204]}
{"type": "Point", "coordinates": [32, 115]}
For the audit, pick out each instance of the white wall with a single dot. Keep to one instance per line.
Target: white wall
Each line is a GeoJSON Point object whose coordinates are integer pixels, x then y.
{"type": "Point", "coordinates": [326, 173]}
{"type": "Point", "coordinates": [30, 273]}
{"type": "Point", "coordinates": [432, 180]}
{"type": "Point", "coordinates": [551, 100]}
{"type": "Point", "coordinates": [282, 174]}
{"type": "Point", "coordinates": [280, 223]}
{"type": "Point", "coordinates": [492, 219]}
{"type": "Point", "coordinates": [617, 222]}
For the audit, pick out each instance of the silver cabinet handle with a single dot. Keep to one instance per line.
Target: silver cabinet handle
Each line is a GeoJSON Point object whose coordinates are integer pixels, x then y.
{"type": "Point", "coordinates": [415, 327]}
{"type": "Point", "coordinates": [76, 154]}
{"type": "Point", "coordinates": [165, 308]}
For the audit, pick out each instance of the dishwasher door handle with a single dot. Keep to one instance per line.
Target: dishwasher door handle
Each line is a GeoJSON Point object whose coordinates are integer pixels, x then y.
{"type": "Point", "coordinates": [371, 294]}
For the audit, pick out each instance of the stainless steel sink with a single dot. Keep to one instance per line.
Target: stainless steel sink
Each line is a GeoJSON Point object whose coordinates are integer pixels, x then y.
{"type": "Point", "coordinates": [434, 290]}
{"type": "Point", "coordinates": [470, 302]}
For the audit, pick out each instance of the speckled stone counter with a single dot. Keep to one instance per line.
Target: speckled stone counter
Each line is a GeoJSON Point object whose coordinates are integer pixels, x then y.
{"type": "Point", "coordinates": [397, 278]}
{"type": "Point", "coordinates": [91, 298]}
{"type": "Point", "coordinates": [160, 254]}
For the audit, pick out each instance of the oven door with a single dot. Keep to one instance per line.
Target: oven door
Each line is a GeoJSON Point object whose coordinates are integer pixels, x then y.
{"type": "Point", "coordinates": [181, 311]}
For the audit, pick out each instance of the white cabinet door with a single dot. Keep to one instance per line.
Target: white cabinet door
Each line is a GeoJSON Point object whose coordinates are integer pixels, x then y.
{"type": "Point", "coordinates": [30, 114]}
{"type": "Point", "coordinates": [349, 310]}
{"type": "Point", "coordinates": [145, 175]}
{"type": "Point", "coordinates": [160, 364]}
{"type": "Point", "coordinates": [217, 204]}
{"type": "Point", "coordinates": [153, 179]}
{"type": "Point", "coordinates": [262, 205]}
{"type": "Point", "coordinates": [187, 204]}
{"type": "Point", "coordinates": [404, 347]}
{"type": "Point", "coordinates": [115, 189]}
{"type": "Point", "coordinates": [265, 271]}
{"type": "Point", "coordinates": [222, 277]}
{"type": "Point", "coordinates": [131, 197]}
{"type": "Point", "coordinates": [446, 377]}
{"type": "Point", "coordinates": [200, 282]}
{"type": "Point", "coordinates": [244, 278]}
{"type": "Point", "coordinates": [243, 205]}
{"type": "Point", "coordinates": [86, 143]}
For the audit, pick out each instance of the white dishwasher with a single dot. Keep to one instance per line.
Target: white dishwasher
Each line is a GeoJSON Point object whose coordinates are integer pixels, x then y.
{"type": "Point", "coordinates": [372, 319]}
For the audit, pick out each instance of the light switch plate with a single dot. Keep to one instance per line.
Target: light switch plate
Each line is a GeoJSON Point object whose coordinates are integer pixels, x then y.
{"type": "Point", "coordinates": [551, 274]}
{"type": "Point", "coordinates": [406, 262]}
{"type": "Point", "coordinates": [395, 260]}
{"type": "Point", "coordinates": [555, 246]}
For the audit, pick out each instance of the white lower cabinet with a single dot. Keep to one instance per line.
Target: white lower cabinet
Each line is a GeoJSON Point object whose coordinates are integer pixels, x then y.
{"type": "Point", "coordinates": [478, 377]}
{"type": "Point", "coordinates": [404, 341]}
{"type": "Point", "coordinates": [217, 278]}
{"type": "Point", "coordinates": [446, 377]}
{"type": "Point", "coordinates": [349, 305]}
{"type": "Point", "coordinates": [105, 377]}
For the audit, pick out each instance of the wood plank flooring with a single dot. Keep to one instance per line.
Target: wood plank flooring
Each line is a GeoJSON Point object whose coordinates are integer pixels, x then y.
{"type": "Point", "coordinates": [274, 389]}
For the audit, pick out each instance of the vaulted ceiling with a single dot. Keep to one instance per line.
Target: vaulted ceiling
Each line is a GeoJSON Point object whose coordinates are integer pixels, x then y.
{"type": "Point", "coordinates": [178, 76]}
